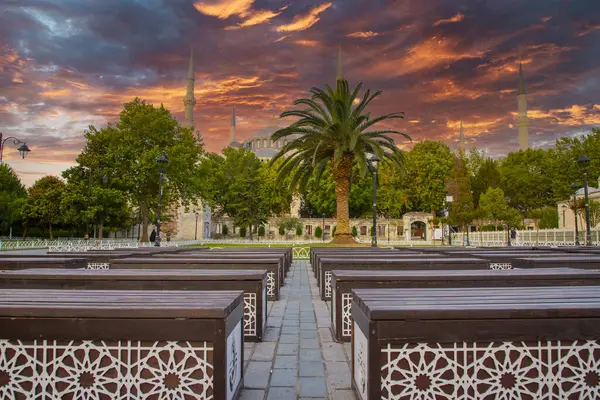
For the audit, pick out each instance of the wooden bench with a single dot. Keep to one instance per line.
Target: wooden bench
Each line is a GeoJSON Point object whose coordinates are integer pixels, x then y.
{"type": "Point", "coordinates": [252, 282]}
{"type": "Point", "coordinates": [344, 281]}
{"type": "Point", "coordinates": [273, 267]}
{"type": "Point", "coordinates": [504, 259]}
{"type": "Point", "coordinates": [84, 344]}
{"type": "Point", "coordinates": [235, 256]}
{"type": "Point", "coordinates": [412, 263]}
{"type": "Point", "coordinates": [11, 263]}
{"type": "Point", "coordinates": [466, 343]}
{"type": "Point", "coordinates": [286, 251]}
{"type": "Point", "coordinates": [316, 252]}
{"type": "Point", "coordinates": [587, 261]}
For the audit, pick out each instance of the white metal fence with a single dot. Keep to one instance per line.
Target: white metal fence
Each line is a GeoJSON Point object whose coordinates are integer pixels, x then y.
{"type": "Point", "coordinates": [543, 237]}
{"type": "Point", "coordinates": [79, 245]}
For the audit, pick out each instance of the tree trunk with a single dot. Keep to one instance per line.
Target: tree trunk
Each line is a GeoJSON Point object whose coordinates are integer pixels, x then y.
{"type": "Point", "coordinates": [144, 213]}
{"type": "Point", "coordinates": [341, 174]}
{"type": "Point", "coordinates": [250, 232]}
{"type": "Point", "coordinates": [50, 230]}
{"type": "Point", "coordinates": [101, 229]}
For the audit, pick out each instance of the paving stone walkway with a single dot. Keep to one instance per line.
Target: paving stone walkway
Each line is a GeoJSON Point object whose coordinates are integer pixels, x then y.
{"type": "Point", "coordinates": [298, 358]}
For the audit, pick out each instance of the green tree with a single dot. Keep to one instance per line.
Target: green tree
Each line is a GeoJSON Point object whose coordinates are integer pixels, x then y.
{"type": "Point", "coordinates": [261, 231]}
{"type": "Point", "coordinates": [11, 190]}
{"type": "Point", "coordinates": [42, 207]}
{"type": "Point", "coordinates": [128, 152]}
{"type": "Point", "coordinates": [332, 130]}
{"type": "Point", "coordinates": [299, 230]}
{"type": "Point", "coordinates": [225, 230]}
{"type": "Point", "coordinates": [545, 217]}
{"type": "Point", "coordinates": [462, 211]}
{"type": "Point", "coordinates": [487, 176]}
{"type": "Point", "coordinates": [428, 167]}
{"type": "Point", "coordinates": [289, 224]}
{"type": "Point", "coordinates": [493, 205]}
{"type": "Point", "coordinates": [318, 232]}
{"type": "Point", "coordinates": [354, 231]}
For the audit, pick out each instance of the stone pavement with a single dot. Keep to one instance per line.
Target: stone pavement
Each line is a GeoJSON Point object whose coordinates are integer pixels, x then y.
{"type": "Point", "coordinates": [298, 358]}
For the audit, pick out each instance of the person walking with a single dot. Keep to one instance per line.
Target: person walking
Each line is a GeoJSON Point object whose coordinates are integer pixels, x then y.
{"type": "Point", "coordinates": [153, 236]}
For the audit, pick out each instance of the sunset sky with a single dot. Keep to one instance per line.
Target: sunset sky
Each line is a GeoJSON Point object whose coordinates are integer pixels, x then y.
{"type": "Point", "coordinates": [66, 64]}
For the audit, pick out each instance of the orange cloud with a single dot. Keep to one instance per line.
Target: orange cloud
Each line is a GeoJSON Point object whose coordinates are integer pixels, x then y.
{"type": "Point", "coordinates": [303, 22]}
{"type": "Point", "coordinates": [575, 115]}
{"type": "Point", "coordinates": [363, 35]}
{"type": "Point", "coordinates": [224, 9]}
{"type": "Point", "coordinates": [456, 18]}
{"type": "Point", "coordinates": [310, 43]}
{"type": "Point", "coordinates": [475, 128]}
{"type": "Point", "coordinates": [589, 29]}
{"type": "Point", "coordinates": [281, 39]}
{"type": "Point", "coordinates": [441, 89]}
{"type": "Point", "coordinates": [262, 16]}
{"type": "Point", "coordinates": [427, 54]}
{"type": "Point", "coordinates": [546, 19]}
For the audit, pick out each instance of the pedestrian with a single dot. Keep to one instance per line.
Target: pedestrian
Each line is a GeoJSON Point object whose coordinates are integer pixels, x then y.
{"type": "Point", "coordinates": [153, 235]}
{"type": "Point", "coordinates": [168, 236]}
{"type": "Point", "coordinates": [513, 235]}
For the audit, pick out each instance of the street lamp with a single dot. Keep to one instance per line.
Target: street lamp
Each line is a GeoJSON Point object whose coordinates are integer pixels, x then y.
{"type": "Point", "coordinates": [574, 187]}
{"type": "Point", "coordinates": [162, 162]}
{"type": "Point", "coordinates": [584, 163]}
{"type": "Point", "coordinates": [507, 223]}
{"type": "Point", "coordinates": [23, 149]}
{"type": "Point", "coordinates": [564, 209]}
{"type": "Point", "coordinates": [323, 230]}
{"type": "Point", "coordinates": [373, 162]}
{"type": "Point", "coordinates": [196, 231]}
{"type": "Point", "coordinates": [449, 199]}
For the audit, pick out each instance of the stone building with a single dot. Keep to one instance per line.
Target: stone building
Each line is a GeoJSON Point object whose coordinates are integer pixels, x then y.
{"type": "Point", "coordinates": [566, 216]}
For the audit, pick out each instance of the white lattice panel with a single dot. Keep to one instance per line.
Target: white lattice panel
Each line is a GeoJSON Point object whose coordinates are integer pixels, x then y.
{"type": "Point", "coordinates": [301, 253]}
{"type": "Point", "coordinates": [249, 314]}
{"type": "Point", "coordinates": [98, 266]}
{"type": "Point", "coordinates": [346, 315]}
{"type": "Point", "coordinates": [327, 285]}
{"type": "Point", "coordinates": [501, 266]}
{"type": "Point", "coordinates": [270, 284]}
{"type": "Point", "coordinates": [510, 370]}
{"type": "Point", "coordinates": [86, 370]}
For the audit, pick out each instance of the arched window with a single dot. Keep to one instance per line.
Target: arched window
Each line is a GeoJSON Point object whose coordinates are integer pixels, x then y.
{"type": "Point", "coordinates": [258, 144]}
{"type": "Point", "coordinates": [265, 143]}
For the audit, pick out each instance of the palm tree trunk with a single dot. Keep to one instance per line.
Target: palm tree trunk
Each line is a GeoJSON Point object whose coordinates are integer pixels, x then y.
{"type": "Point", "coordinates": [341, 175]}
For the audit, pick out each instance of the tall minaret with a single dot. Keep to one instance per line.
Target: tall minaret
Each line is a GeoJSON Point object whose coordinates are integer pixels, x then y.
{"type": "Point", "coordinates": [461, 139]}
{"type": "Point", "coordinates": [189, 101]}
{"type": "Point", "coordinates": [339, 75]}
{"type": "Point", "coordinates": [232, 127]}
{"type": "Point", "coordinates": [523, 122]}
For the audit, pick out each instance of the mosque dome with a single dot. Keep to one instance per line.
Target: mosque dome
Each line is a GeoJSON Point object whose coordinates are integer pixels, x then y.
{"type": "Point", "coordinates": [581, 191]}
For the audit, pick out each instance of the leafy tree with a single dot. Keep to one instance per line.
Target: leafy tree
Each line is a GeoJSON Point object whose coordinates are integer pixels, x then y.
{"type": "Point", "coordinates": [525, 179]}
{"type": "Point", "coordinates": [289, 224]}
{"type": "Point", "coordinates": [545, 217]}
{"type": "Point", "coordinates": [318, 232]}
{"type": "Point", "coordinates": [428, 167]}
{"type": "Point", "coordinates": [487, 176]}
{"type": "Point", "coordinates": [42, 207]}
{"type": "Point", "coordinates": [332, 130]}
{"type": "Point", "coordinates": [277, 196]}
{"type": "Point", "coordinates": [281, 230]}
{"type": "Point", "coordinates": [243, 231]}
{"type": "Point", "coordinates": [493, 205]}
{"type": "Point", "coordinates": [128, 152]}
{"type": "Point", "coordinates": [11, 190]}
{"type": "Point", "coordinates": [261, 231]}
{"type": "Point", "coordinates": [299, 230]}
{"type": "Point", "coordinates": [224, 230]}
{"type": "Point", "coordinates": [393, 196]}
{"type": "Point", "coordinates": [461, 210]}
{"type": "Point", "coordinates": [354, 231]}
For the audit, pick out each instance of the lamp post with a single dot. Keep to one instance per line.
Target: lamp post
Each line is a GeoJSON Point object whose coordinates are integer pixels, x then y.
{"type": "Point", "coordinates": [584, 163]}
{"type": "Point", "coordinates": [162, 161]}
{"type": "Point", "coordinates": [564, 209]}
{"type": "Point", "coordinates": [323, 230]}
{"type": "Point", "coordinates": [373, 162]}
{"type": "Point", "coordinates": [507, 223]}
{"type": "Point", "coordinates": [449, 199]}
{"type": "Point", "coordinates": [574, 187]}
{"type": "Point", "coordinates": [23, 149]}
{"type": "Point", "coordinates": [196, 230]}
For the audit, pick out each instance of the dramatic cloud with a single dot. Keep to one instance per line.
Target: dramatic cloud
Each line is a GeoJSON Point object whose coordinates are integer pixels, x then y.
{"type": "Point", "coordinates": [67, 64]}
{"type": "Point", "coordinates": [456, 18]}
{"type": "Point", "coordinates": [363, 35]}
{"type": "Point", "coordinates": [303, 22]}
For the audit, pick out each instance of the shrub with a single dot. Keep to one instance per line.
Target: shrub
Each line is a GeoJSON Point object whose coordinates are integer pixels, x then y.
{"type": "Point", "coordinates": [225, 230]}
{"type": "Point", "coordinates": [318, 232]}
{"type": "Point", "coordinates": [333, 231]}
{"type": "Point", "coordinates": [243, 231]}
{"type": "Point", "coordinates": [299, 230]}
{"type": "Point", "coordinates": [261, 230]}
{"type": "Point", "coordinates": [281, 230]}
{"type": "Point", "coordinates": [354, 232]}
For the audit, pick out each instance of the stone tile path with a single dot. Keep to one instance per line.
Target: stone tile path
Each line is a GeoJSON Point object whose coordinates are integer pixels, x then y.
{"type": "Point", "coordinates": [298, 358]}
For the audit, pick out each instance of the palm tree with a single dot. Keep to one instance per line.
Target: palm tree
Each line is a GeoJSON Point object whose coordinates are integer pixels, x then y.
{"type": "Point", "coordinates": [334, 130]}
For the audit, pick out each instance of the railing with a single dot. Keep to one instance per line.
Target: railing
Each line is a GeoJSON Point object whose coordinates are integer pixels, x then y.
{"type": "Point", "coordinates": [543, 237]}
{"type": "Point", "coordinates": [80, 245]}
{"type": "Point", "coordinates": [260, 241]}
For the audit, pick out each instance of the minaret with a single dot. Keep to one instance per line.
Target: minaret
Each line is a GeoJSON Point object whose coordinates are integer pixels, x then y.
{"type": "Point", "coordinates": [339, 76]}
{"type": "Point", "coordinates": [523, 122]}
{"type": "Point", "coordinates": [232, 127]}
{"type": "Point", "coordinates": [189, 101]}
{"type": "Point", "coordinates": [461, 139]}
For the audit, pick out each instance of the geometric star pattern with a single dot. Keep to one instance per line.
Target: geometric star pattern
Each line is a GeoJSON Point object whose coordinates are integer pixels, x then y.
{"type": "Point", "coordinates": [270, 284]}
{"type": "Point", "coordinates": [546, 370]}
{"type": "Point", "coordinates": [327, 285]}
{"type": "Point", "coordinates": [98, 370]}
{"type": "Point", "coordinates": [249, 314]}
{"type": "Point", "coordinates": [346, 315]}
